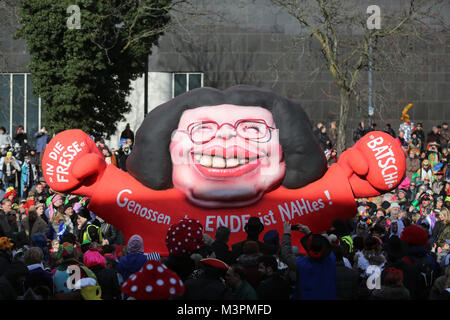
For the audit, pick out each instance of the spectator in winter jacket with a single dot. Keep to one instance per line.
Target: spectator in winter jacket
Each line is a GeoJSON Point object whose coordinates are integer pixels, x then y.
{"type": "Point", "coordinates": [21, 137]}
{"type": "Point", "coordinates": [249, 260]}
{"type": "Point", "coordinates": [359, 132]}
{"type": "Point", "coordinates": [106, 277]}
{"type": "Point", "coordinates": [134, 259]}
{"type": "Point", "coordinates": [418, 256]}
{"type": "Point", "coordinates": [441, 287]}
{"type": "Point", "coordinates": [38, 279]}
{"type": "Point", "coordinates": [392, 287]}
{"type": "Point", "coordinates": [253, 228]}
{"type": "Point", "coordinates": [347, 278]}
{"type": "Point", "coordinates": [220, 245]}
{"type": "Point", "coordinates": [5, 253]}
{"type": "Point", "coordinates": [395, 249]}
{"type": "Point", "coordinates": [236, 279]}
{"type": "Point", "coordinates": [33, 223]}
{"type": "Point", "coordinates": [412, 164]}
{"type": "Point", "coordinates": [272, 285]}
{"type": "Point", "coordinates": [211, 285]}
{"type": "Point", "coordinates": [12, 281]}
{"type": "Point", "coordinates": [4, 137]}
{"type": "Point", "coordinates": [444, 235]}
{"type": "Point", "coordinates": [316, 272]}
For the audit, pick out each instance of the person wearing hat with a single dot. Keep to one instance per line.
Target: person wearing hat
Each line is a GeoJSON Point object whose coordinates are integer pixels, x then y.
{"type": "Point", "coordinates": [425, 172]}
{"type": "Point", "coordinates": [254, 227]}
{"type": "Point", "coordinates": [106, 277]}
{"type": "Point", "coordinates": [86, 231]}
{"type": "Point", "coordinates": [67, 256]}
{"type": "Point", "coordinates": [134, 259]}
{"type": "Point", "coordinates": [392, 287]}
{"type": "Point", "coordinates": [403, 202]}
{"type": "Point", "coordinates": [183, 239]}
{"type": "Point", "coordinates": [437, 186]}
{"type": "Point", "coordinates": [370, 255]}
{"type": "Point", "coordinates": [211, 285]}
{"type": "Point", "coordinates": [418, 256]}
{"type": "Point", "coordinates": [395, 250]}
{"type": "Point", "coordinates": [423, 204]}
{"type": "Point", "coordinates": [272, 239]}
{"type": "Point", "coordinates": [154, 281]}
{"type": "Point", "coordinates": [394, 209]}
{"type": "Point", "coordinates": [5, 253]}
{"type": "Point", "coordinates": [316, 272]}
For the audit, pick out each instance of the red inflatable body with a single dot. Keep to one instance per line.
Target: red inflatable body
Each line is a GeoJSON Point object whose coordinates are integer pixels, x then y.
{"type": "Point", "coordinates": [72, 163]}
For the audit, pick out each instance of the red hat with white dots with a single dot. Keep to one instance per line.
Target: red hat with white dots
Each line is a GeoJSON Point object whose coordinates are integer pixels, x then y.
{"type": "Point", "coordinates": [154, 281]}
{"type": "Point", "coordinates": [184, 237]}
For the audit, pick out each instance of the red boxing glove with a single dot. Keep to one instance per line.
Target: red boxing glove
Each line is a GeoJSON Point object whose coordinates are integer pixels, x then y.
{"type": "Point", "coordinates": [375, 164]}
{"type": "Point", "coordinates": [72, 163]}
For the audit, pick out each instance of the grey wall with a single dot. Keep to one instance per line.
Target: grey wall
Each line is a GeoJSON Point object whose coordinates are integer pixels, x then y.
{"type": "Point", "coordinates": [251, 42]}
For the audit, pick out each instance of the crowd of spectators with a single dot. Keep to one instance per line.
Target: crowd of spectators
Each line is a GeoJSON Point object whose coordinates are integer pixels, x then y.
{"type": "Point", "coordinates": [395, 247]}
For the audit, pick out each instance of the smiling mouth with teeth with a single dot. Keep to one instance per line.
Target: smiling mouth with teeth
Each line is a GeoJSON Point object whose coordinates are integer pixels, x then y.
{"type": "Point", "coordinates": [219, 162]}
{"type": "Point", "coordinates": [218, 167]}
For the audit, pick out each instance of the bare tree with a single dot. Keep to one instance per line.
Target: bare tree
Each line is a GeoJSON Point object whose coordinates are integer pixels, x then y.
{"type": "Point", "coordinates": [347, 44]}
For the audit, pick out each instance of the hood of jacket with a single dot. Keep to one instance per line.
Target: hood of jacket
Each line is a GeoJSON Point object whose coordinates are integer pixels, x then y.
{"type": "Point", "coordinates": [132, 261]}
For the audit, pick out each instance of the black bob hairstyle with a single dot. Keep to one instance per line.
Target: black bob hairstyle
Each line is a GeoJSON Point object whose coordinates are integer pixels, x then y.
{"type": "Point", "coordinates": [150, 162]}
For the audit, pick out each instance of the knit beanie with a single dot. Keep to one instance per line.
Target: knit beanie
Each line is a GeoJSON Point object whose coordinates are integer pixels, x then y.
{"type": "Point", "coordinates": [93, 258]}
{"type": "Point", "coordinates": [135, 244]}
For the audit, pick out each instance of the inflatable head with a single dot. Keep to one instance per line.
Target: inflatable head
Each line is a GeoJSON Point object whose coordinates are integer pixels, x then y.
{"type": "Point", "coordinates": [226, 148]}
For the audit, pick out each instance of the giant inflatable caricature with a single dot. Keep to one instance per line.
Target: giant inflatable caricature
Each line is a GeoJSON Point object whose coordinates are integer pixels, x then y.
{"type": "Point", "coordinates": [221, 157]}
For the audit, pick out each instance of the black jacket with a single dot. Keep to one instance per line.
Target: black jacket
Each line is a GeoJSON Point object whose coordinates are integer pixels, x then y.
{"type": "Point", "coordinates": [274, 288]}
{"type": "Point", "coordinates": [108, 281]}
{"type": "Point", "coordinates": [347, 281]}
{"type": "Point", "coordinates": [264, 248]}
{"type": "Point", "coordinates": [206, 288]}
{"type": "Point", "coordinates": [5, 261]}
{"type": "Point", "coordinates": [223, 252]}
{"type": "Point", "coordinates": [5, 228]}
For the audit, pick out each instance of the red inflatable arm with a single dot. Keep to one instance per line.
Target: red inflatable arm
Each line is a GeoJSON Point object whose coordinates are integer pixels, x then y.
{"type": "Point", "coordinates": [374, 165]}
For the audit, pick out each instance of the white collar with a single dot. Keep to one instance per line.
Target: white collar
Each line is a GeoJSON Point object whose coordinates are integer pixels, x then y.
{"type": "Point", "coordinates": [35, 266]}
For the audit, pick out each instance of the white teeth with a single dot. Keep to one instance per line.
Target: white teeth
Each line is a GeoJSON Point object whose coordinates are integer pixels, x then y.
{"type": "Point", "coordinates": [218, 162]}
{"type": "Point", "coordinates": [206, 161]}
{"type": "Point", "coordinates": [232, 162]}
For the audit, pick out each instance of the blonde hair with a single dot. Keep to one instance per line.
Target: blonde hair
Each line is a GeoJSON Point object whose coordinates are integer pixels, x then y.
{"type": "Point", "coordinates": [446, 213]}
{"type": "Point", "coordinates": [58, 216]}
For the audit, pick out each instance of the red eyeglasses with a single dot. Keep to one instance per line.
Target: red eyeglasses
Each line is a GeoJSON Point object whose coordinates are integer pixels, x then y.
{"type": "Point", "coordinates": [250, 129]}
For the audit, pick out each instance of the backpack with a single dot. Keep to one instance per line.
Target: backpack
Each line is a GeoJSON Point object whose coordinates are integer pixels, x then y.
{"type": "Point", "coordinates": [426, 275]}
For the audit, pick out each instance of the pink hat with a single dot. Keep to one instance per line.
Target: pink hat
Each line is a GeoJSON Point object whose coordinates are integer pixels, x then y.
{"type": "Point", "coordinates": [93, 258]}
{"type": "Point", "coordinates": [405, 183]}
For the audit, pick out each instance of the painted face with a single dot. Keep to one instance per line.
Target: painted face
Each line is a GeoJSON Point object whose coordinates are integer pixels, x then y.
{"type": "Point", "coordinates": [226, 155]}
